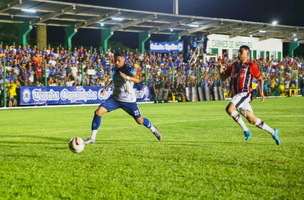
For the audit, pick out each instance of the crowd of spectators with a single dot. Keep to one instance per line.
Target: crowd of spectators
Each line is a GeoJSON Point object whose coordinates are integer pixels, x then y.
{"type": "Point", "coordinates": [166, 73]}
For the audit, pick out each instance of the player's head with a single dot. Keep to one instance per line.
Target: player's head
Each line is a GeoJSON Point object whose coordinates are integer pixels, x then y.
{"type": "Point", "coordinates": [243, 53]}
{"type": "Point", "coordinates": [119, 58]}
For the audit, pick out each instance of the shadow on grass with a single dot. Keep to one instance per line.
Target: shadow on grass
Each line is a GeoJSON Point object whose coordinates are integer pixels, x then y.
{"type": "Point", "coordinates": [164, 143]}
{"type": "Point", "coordinates": [26, 142]}
{"type": "Point", "coordinates": [200, 143]}
{"type": "Point", "coordinates": [35, 137]}
{"type": "Point", "coordinates": [8, 144]}
{"type": "Point", "coordinates": [47, 140]}
{"type": "Point", "coordinates": [20, 156]}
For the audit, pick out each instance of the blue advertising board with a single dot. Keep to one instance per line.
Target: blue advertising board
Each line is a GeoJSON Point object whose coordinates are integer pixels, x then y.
{"type": "Point", "coordinates": [166, 47]}
{"type": "Point", "coordinates": [32, 95]}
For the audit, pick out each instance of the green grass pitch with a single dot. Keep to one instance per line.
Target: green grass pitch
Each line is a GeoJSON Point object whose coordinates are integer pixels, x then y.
{"type": "Point", "coordinates": [203, 154]}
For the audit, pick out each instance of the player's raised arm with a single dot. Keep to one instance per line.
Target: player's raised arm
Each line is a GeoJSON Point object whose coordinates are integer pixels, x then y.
{"type": "Point", "coordinates": [223, 75]}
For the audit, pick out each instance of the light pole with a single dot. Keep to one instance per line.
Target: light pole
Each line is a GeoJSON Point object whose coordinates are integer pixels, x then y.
{"type": "Point", "coordinates": [175, 7]}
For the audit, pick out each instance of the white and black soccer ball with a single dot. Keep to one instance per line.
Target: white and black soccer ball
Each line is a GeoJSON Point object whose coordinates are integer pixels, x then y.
{"type": "Point", "coordinates": [76, 145]}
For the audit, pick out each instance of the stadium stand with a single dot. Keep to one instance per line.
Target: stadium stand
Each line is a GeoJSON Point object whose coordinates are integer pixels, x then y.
{"type": "Point", "coordinates": [169, 75]}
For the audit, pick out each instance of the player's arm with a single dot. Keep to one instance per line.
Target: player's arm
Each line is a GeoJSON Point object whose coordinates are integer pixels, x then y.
{"type": "Point", "coordinates": [254, 70]}
{"type": "Point", "coordinates": [222, 73]}
{"type": "Point", "coordinates": [107, 86]}
{"type": "Point", "coordinates": [261, 83]}
{"type": "Point", "coordinates": [134, 78]}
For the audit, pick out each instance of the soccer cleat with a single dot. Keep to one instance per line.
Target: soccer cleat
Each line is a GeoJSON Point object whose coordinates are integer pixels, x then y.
{"type": "Point", "coordinates": [247, 134]}
{"type": "Point", "coordinates": [276, 136]}
{"type": "Point", "coordinates": [89, 141]}
{"type": "Point", "coordinates": [157, 134]}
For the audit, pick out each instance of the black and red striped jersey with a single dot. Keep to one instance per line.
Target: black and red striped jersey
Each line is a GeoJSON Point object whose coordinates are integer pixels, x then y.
{"type": "Point", "coordinates": [241, 76]}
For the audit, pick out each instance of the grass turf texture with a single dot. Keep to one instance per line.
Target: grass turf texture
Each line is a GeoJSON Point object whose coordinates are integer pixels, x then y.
{"type": "Point", "coordinates": [203, 154]}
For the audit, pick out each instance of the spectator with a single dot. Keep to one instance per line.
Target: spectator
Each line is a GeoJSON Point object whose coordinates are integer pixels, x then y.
{"type": "Point", "coordinates": [254, 86]}
{"type": "Point", "coordinates": [156, 89]}
{"type": "Point", "coordinates": [273, 83]}
{"type": "Point", "coordinates": [69, 82]}
{"type": "Point", "coordinates": [24, 77]}
{"type": "Point", "coordinates": [12, 93]}
{"type": "Point", "coordinates": [165, 87]}
{"type": "Point", "coordinates": [31, 75]}
{"type": "Point", "coordinates": [177, 92]}
{"type": "Point", "coordinates": [293, 84]}
{"type": "Point", "coordinates": [37, 59]}
{"type": "Point", "coordinates": [302, 84]}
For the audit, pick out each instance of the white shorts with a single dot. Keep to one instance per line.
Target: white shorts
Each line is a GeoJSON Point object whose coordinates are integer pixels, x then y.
{"type": "Point", "coordinates": [241, 102]}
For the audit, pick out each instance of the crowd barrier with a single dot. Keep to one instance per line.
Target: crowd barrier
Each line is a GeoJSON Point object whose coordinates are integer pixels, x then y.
{"type": "Point", "coordinates": [203, 94]}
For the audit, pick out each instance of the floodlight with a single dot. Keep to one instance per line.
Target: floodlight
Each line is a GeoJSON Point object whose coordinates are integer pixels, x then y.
{"type": "Point", "coordinates": [29, 10]}
{"type": "Point", "coordinates": [117, 19]}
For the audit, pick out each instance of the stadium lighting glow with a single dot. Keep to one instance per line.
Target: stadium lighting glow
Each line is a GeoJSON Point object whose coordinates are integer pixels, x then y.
{"type": "Point", "coordinates": [171, 29]}
{"type": "Point", "coordinates": [296, 39]}
{"type": "Point", "coordinates": [193, 25]}
{"type": "Point", "coordinates": [29, 10]}
{"type": "Point", "coordinates": [117, 19]}
{"type": "Point", "coordinates": [250, 35]}
{"type": "Point", "coordinates": [262, 31]}
{"type": "Point", "coordinates": [294, 34]}
{"type": "Point", "coordinates": [274, 23]}
{"type": "Point", "coordinates": [101, 24]}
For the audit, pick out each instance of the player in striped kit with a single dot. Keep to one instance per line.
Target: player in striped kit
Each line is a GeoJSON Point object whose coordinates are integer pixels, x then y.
{"type": "Point", "coordinates": [242, 73]}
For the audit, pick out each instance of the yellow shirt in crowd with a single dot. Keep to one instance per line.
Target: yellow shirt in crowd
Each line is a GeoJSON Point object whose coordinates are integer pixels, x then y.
{"type": "Point", "coordinates": [273, 83]}
{"type": "Point", "coordinates": [12, 89]}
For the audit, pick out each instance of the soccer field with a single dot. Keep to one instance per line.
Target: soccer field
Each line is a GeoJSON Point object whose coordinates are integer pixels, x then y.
{"type": "Point", "coordinates": [203, 154]}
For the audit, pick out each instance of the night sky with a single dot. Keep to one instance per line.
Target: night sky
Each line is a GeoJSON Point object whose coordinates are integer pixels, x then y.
{"type": "Point", "coordinates": [286, 12]}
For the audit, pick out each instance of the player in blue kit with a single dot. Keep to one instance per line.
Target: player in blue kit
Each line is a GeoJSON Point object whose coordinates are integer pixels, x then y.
{"type": "Point", "coordinates": [123, 79]}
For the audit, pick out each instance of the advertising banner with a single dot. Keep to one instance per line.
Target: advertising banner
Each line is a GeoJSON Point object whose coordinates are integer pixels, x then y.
{"type": "Point", "coordinates": [32, 95]}
{"type": "Point", "coordinates": [166, 47]}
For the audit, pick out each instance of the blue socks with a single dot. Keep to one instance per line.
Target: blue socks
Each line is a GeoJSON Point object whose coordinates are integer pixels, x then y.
{"type": "Point", "coordinates": [96, 122]}
{"type": "Point", "coordinates": [147, 123]}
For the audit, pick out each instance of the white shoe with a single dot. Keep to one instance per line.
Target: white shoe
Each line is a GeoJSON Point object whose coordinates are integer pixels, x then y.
{"type": "Point", "coordinates": [157, 134]}
{"type": "Point", "coordinates": [89, 141]}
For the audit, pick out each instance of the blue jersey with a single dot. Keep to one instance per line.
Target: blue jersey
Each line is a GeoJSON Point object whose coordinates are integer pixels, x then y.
{"type": "Point", "coordinates": [123, 89]}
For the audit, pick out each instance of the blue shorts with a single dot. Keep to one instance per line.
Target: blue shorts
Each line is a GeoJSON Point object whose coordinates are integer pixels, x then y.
{"type": "Point", "coordinates": [131, 108]}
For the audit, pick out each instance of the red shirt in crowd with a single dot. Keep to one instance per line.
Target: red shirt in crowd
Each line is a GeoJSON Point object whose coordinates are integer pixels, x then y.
{"type": "Point", "coordinates": [38, 71]}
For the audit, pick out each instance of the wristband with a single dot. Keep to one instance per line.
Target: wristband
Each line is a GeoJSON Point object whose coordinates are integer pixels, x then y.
{"type": "Point", "coordinates": [128, 78]}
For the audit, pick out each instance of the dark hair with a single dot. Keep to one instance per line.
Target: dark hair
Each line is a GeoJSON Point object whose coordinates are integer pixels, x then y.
{"type": "Point", "coordinates": [118, 53]}
{"type": "Point", "coordinates": [245, 47]}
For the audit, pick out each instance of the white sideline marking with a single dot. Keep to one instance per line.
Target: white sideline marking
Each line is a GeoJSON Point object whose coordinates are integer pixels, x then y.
{"type": "Point", "coordinates": [288, 116]}
{"type": "Point", "coordinates": [75, 105]}
{"type": "Point", "coordinates": [59, 106]}
{"type": "Point", "coordinates": [112, 128]}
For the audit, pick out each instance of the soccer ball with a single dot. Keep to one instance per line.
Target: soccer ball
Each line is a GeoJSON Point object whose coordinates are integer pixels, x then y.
{"type": "Point", "coordinates": [76, 145]}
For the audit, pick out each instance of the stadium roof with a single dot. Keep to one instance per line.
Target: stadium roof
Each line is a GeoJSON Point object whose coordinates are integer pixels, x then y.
{"type": "Point", "coordinates": [63, 14]}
